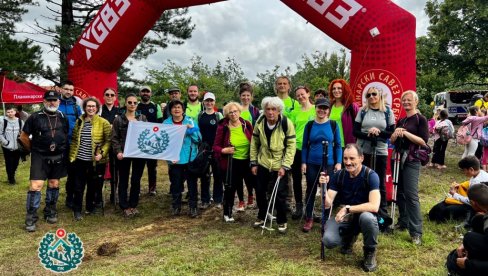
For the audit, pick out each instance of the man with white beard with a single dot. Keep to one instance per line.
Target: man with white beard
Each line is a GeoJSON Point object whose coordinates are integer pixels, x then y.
{"type": "Point", "coordinates": [49, 130]}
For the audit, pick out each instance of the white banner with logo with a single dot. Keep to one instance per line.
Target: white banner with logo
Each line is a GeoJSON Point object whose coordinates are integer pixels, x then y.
{"type": "Point", "coordinates": [154, 141]}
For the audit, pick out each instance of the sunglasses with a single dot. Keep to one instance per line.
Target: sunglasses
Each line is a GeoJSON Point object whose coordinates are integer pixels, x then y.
{"type": "Point", "coordinates": [374, 94]}
{"type": "Point", "coordinates": [131, 102]}
{"type": "Point", "coordinates": [109, 95]}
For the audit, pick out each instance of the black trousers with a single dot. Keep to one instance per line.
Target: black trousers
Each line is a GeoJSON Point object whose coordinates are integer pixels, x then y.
{"type": "Point", "coordinates": [124, 168]}
{"type": "Point", "coordinates": [296, 172]}
{"type": "Point", "coordinates": [265, 184]}
{"type": "Point", "coordinates": [442, 212]}
{"type": "Point", "coordinates": [380, 168]}
{"type": "Point", "coordinates": [12, 159]}
{"type": "Point", "coordinates": [91, 177]}
{"type": "Point", "coordinates": [240, 171]}
{"type": "Point", "coordinates": [151, 173]}
{"type": "Point", "coordinates": [439, 151]}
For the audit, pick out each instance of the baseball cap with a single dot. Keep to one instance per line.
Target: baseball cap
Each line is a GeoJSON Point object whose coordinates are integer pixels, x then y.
{"type": "Point", "coordinates": [173, 89]}
{"type": "Point", "coordinates": [209, 95]}
{"type": "Point", "coordinates": [322, 102]}
{"type": "Point", "coordinates": [51, 95]}
{"type": "Point", "coordinates": [146, 88]}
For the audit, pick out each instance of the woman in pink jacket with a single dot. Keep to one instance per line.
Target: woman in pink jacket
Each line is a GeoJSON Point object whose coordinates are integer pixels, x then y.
{"type": "Point", "coordinates": [476, 119]}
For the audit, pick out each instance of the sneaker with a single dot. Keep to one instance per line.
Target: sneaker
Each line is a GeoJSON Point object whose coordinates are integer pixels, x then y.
{"type": "Point", "coordinates": [282, 228]}
{"type": "Point", "coordinates": [52, 219]}
{"type": "Point", "coordinates": [127, 213]}
{"type": "Point", "coordinates": [152, 193]}
{"type": "Point", "coordinates": [228, 219]}
{"type": "Point", "coordinates": [417, 240]}
{"type": "Point", "coordinates": [258, 223]}
{"type": "Point", "coordinates": [204, 205]}
{"type": "Point", "coordinates": [193, 213]}
{"type": "Point", "coordinates": [78, 216]}
{"type": "Point", "coordinates": [218, 205]}
{"type": "Point", "coordinates": [308, 225]}
{"type": "Point", "coordinates": [30, 228]}
{"type": "Point", "coordinates": [176, 211]}
{"type": "Point", "coordinates": [241, 206]}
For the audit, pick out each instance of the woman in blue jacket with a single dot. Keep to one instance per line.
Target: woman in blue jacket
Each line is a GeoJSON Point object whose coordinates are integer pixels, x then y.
{"type": "Point", "coordinates": [178, 169]}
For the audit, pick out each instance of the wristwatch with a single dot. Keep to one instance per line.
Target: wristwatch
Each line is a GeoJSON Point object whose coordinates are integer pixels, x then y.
{"type": "Point", "coordinates": [348, 208]}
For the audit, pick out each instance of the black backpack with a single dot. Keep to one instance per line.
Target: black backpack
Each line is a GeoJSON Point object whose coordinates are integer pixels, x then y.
{"type": "Point", "coordinates": [200, 164]}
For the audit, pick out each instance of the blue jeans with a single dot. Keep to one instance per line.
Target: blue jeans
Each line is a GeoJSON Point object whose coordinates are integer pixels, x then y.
{"type": "Point", "coordinates": [336, 235]}
{"type": "Point", "coordinates": [312, 175]}
{"type": "Point", "coordinates": [408, 198]}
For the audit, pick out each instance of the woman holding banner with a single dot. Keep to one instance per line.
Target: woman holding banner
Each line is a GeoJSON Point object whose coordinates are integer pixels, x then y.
{"type": "Point", "coordinates": [178, 169]}
{"type": "Point", "coordinates": [119, 134]}
{"type": "Point", "coordinates": [89, 150]}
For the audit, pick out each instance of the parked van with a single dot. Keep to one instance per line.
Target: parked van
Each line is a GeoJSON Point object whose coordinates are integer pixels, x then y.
{"type": "Point", "coordinates": [456, 102]}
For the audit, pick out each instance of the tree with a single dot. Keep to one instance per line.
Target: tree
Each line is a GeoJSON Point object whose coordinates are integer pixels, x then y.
{"type": "Point", "coordinates": [18, 57]}
{"type": "Point", "coordinates": [222, 80]}
{"type": "Point", "coordinates": [71, 17]}
{"type": "Point", "coordinates": [318, 70]}
{"type": "Point", "coordinates": [457, 38]}
{"type": "Point", "coordinates": [11, 11]}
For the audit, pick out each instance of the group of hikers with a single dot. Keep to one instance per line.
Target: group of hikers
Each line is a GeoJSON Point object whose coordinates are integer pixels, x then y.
{"type": "Point", "coordinates": [341, 149]}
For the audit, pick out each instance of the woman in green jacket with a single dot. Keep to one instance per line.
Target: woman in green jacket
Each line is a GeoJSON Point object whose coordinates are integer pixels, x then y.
{"type": "Point", "coordinates": [89, 152]}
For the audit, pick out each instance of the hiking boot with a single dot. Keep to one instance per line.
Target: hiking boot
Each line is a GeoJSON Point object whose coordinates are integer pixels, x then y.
{"type": "Point", "coordinates": [417, 240]}
{"type": "Point", "coordinates": [33, 202]}
{"type": "Point", "coordinates": [228, 219]}
{"type": "Point", "coordinates": [193, 213]}
{"type": "Point", "coordinates": [176, 211]}
{"type": "Point", "coordinates": [308, 225]}
{"type": "Point", "coordinates": [298, 213]}
{"type": "Point", "coordinates": [282, 228]}
{"type": "Point", "coordinates": [78, 216]}
{"type": "Point", "coordinates": [258, 223]}
{"type": "Point", "coordinates": [369, 262]}
{"type": "Point", "coordinates": [241, 206]}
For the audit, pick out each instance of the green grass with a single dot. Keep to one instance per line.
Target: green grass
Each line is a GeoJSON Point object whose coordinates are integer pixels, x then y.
{"type": "Point", "coordinates": [156, 243]}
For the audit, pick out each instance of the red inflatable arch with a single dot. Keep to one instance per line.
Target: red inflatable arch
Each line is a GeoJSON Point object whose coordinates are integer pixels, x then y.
{"type": "Point", "coordinates": [380, 35]}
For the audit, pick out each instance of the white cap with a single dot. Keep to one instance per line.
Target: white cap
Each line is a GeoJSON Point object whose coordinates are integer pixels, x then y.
{"type": "Point", "coordinates": [146, 88]}
{"type": "Point", "coordinates": [209, 95]}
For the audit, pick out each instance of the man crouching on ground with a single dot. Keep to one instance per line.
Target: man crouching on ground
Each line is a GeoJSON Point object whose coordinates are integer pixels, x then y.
{"type": "Point", "coordinates": [357, 188]}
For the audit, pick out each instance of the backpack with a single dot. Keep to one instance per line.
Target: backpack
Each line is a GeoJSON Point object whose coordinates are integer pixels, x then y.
{"type": "Point", "coordinates": [21, 147]}
{"type": "Point", "coordinates": [284, 126]}
{"type": "Point", "coordinates": [463, 135]}
{"type": "Point", "coordinates": [387, 115]}
{"type": "Point", "coordinates": [200, 164]}
{"type": "Point", "coordinates": [484, 137]}
{"type": "Point", "coordinates": [446, 132]}
{"type": "Point", "coordinates": [308, 130]}
{"type": "Point", "coordinates": [384, 221]}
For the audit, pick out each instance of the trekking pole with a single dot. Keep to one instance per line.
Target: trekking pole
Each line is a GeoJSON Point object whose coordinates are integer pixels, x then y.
{"type": "Point", "coordinates": [228, 180]}
{"type": "Point", "coordinates": [323, 191]}
{"type": "Point", "coordinates": [271, 206]}
{"type": "Point", "coordinates": [396, 171]}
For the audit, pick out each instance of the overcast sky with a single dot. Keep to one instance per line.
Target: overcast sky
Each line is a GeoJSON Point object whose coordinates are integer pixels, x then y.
{"type": "Point", "coordinates": [254, 37]}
